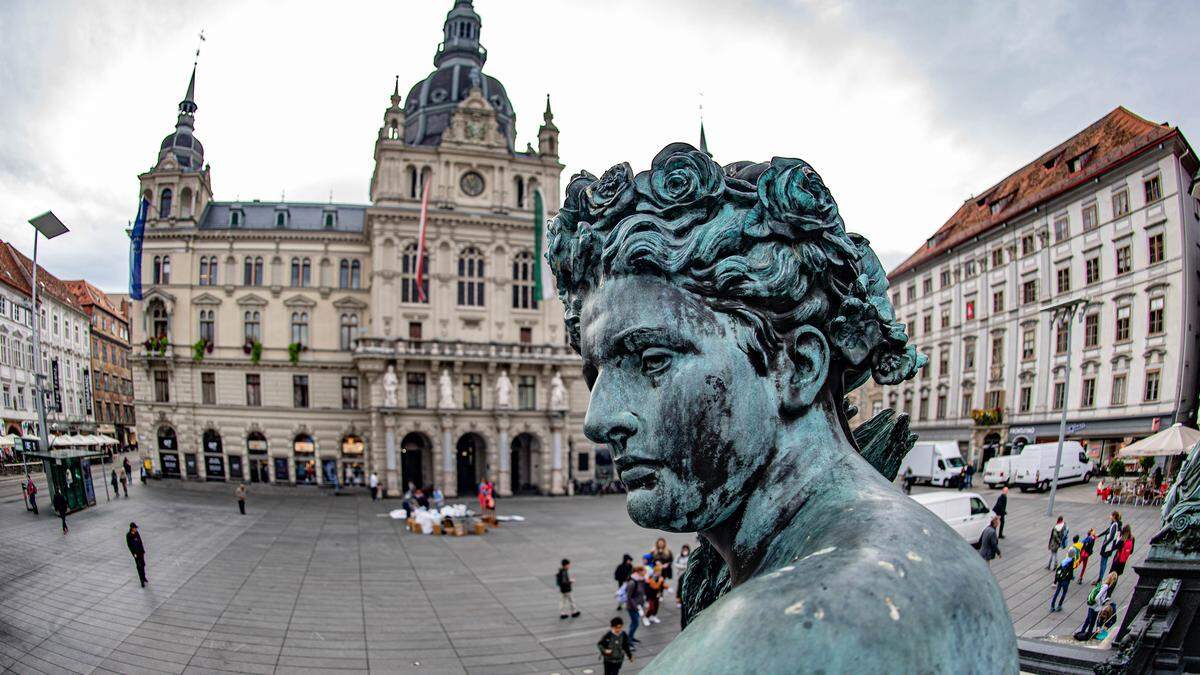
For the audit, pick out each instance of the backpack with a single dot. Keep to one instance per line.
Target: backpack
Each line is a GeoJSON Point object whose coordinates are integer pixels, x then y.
{"type": "Point", "coordinates": [1091, 599]}
{"type": "Point", "coordinates": [622, 594]}
{"type": "Point", "coordinates": [1064, 573]}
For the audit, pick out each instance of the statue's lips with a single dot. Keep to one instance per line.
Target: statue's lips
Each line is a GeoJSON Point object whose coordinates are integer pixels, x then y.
{"type": "Point", "coordinates": [639, 476]}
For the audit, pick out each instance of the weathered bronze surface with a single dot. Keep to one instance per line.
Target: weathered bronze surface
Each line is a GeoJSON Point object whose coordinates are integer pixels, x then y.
{"type": "Point", "coordinates": [722, 314]}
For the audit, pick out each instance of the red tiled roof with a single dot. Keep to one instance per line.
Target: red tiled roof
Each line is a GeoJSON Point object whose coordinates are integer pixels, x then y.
{"type": "Point", "coordinates": [11, 273]}
{"type": "Point", "coordinates": [47, 283]}
{"type": "Point", "coordinates": [1109, 141]}
{"type": "Point", "coordinates": [87, 294]}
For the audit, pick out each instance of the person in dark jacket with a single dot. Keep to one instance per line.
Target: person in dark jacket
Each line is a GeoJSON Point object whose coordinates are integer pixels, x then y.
{"type": "Point", "coordinates": [989, 542]}
{"type": "Point", "coordinates": [621, 574]}
{"type": "Point", "coordinates": [125, 483]}
{"type": "Point", "coordinates": [134, 541]}
{"type": "Point", "coordinates": [59, 502]}
{"type": "Point", "coordinates": [635, 600]}
{"type": "Point", "coordinates": [1109, 543]}
{"type": "Point", "coordinates": [565, 603]}
{"type": "Point", "coordinates": [128, 471]}
{"type": "Point", "coordinates": [1001, 509]}
{"type": "Point", "coordinates": [614, 647]}
{"type": "Point", "coordinates": [115, 483]}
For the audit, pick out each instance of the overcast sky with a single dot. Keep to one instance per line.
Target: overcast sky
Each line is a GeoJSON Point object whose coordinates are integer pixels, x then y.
{"type": "Point", "coordinates": [906, 109]}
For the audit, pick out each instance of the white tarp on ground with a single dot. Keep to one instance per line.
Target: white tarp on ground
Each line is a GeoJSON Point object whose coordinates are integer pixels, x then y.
{"type": "Point", "coordinates": [1174, 440]}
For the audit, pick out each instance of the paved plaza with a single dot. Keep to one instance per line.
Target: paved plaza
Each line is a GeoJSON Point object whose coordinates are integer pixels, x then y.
{"type": "Point", "coordinates": [311, 582]}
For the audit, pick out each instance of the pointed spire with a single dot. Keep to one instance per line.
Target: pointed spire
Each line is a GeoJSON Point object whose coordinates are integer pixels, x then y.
{"type": "Point", "coordinates": [548, 118]}
{"type": "Point", "coordinates": [396, 94]}
{"type": "Point", "coordinates": [703, 140]}
{"type": "Point", "coordinates": [396, 91]}
{"type": "Point", "coordinates": [188, 105]}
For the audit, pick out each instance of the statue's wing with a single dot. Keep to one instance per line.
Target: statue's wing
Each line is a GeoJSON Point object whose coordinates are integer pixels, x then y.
{"type": "Point", "coordinates": [883, 441]}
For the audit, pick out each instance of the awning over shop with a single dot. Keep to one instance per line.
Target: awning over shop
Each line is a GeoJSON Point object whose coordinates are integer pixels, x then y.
{"type": "Point", "coordinates": [1174, 440]}
{"type": "Point", "coordinates": [65, 453]}
{"type": "Point", "coordinates": [9, 440]}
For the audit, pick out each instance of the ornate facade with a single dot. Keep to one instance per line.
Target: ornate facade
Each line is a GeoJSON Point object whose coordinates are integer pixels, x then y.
{"type": "Point", "coordinates": [297, 343]}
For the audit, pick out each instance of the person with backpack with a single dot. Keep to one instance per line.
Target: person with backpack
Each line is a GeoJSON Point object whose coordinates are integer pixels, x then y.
{"type": "Point", "coordinates": [654, 590]}
{"type": "Point", "coordinates": [623, 571]}
{"type": "Point", "coordinates": [1109, 542]}
{"type": "Point", "coordinates": [565, 601]}
{"type": "Point", "coordinates": [614, 647]}
{"type": "Point", "coordinates": [633, 595]}
{"type": "Point", "coordinates": [1064, 574]}
{"type": "Point", "coordinates": [1099, 596]}
{"type": "Point", "coordinates": [1123, 550]}
{"type": "Point", "coordinates": [1085, 552]}
{"type": "Point", "coordinates": [1058, 541]}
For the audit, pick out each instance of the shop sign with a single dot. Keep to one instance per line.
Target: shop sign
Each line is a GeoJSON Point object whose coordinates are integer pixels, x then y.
{"type": "Point", "coordinates": [87, 391]}
{"type": "Point", "coordinates": [212, 444]}
{"type": "Point", "coordinates": [170, 464]}
{"type": "Point", "coordinates": [214, 465]}
{"type": "Point", "coordinates": [256, 445]}
{"type": "Point", "coordinates": [1076, 428]}
{"type": "Point", "coordinates": [166, 443]}
{"type": "Point", "coordinates": [352, 446]}
{"type": "Point", "coordinates": [303, 447]}
{"type": "Point", "coordinates": [57, 388]}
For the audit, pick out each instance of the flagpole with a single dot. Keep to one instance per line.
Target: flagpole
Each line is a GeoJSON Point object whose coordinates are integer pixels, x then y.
{"type": "Point", "coordinates": [421, 227]}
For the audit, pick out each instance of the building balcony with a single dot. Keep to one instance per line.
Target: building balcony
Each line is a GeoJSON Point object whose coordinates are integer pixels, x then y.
{"type": "Point", "coordinates": [455, 350]}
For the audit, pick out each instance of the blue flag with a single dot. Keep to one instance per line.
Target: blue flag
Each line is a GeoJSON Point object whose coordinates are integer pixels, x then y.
{"type": "Point", "coordinates": [135, 251]}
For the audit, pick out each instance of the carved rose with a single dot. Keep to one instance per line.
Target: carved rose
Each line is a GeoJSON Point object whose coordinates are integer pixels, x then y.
{"type": "Point", "coordinates": [793, 194]}
{"type": "Point", "coordinates": [679, 176]}
{"type": "Point", "coordinates": [893, 367]}
{"type": "Point", "coordinates": [856, 330]}
{"type": "Point", "coordinates": [607, 198]}
{"type": "Point", "coordinates": [573, 203]}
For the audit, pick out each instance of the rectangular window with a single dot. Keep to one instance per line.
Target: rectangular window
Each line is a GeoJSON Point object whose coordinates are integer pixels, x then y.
{"type": "Point", "coordinates": [584, 462]}
{"type": "Point", "coordinates": [1028, 342]}
{"type": "Point", "coordinates": [998, 301]}
{"type": "Point", "coordinates": [945, 278]}
{"type": "Point", "coordinates": [927, 323]}
{"type": "Point", "coordinates": [970, 310]}
{"type": "Point", "coordinates": [925, 372]}
{"type": "Point", "coordinates": [945, 317]}
{"type": "Point", "coordinates": [911, 292]}
{"type": "Point", "coordinates": [1157, 309]}
{"type": "Point", "coordinates": [1091, 331]}
{"type": "Point", "coordinates": [969, 355]}
{"type": "Point", "coordinates": [968, 403]}
{"type": "Point", "coordinates": [1062, 228]}
{"type": "Point", "coordinates": [526, 335]}
{"type": "Point", "coordinates": [527, 392]}
{"type": "Point", "coordinates": [253, 390]}
{"type": "Point", "coordinates": [1060, 339]}
{"type": "Point", "coordinates": [472, 392]}
{"type": "Point", "coordinates": [1123, 315]}
{"type": "Point", "coordinates": [969, 269]}
{"type": "Point", "coordinates": [1026, 399]}
{"type": "Point", "coordinates": [943, 362]}
{"type": "Point", "coordinates": [1124, 259]}
{"type": "Point", "coordinates": [941, 407]}
{"type": "Point", "coordinates": [1091, 268]}
{"type": "Point", "coordinates": [349, 393]}
{"type": "Point", "coordinates": [1063, 279]}
{"type": "Point", "coordinates": [1153, 379]}
{"type": "Point", "coordinates": [300, 391]}
{"type": "Point", "coordinates": [414, 330]}
{"type": "Point", "coordinates": [208, 388]}
{"type": "Point", "coordinates": [1029, 291]}
{"type": "Point", "coordinates": [923, 407]}
{"type": "Point", "coordinates": [1120, 203]}
{"type": "Point", "coordinates": [415, 383]}
{"type": "Point", "coordinates": [162, 388]}
{"type": "Point", "coordinates": [998, 351]}
{"type": "Point", "coordinates": [994, 400]}
{"type": "Point", "coordinates": [1091, 217]}
{"type": "Point", "coordinates": [1027, 245]}
{"type": "Point", "coordinates": [896, 299]}
{"type": "Point", "coordinates": [1153, 188]}
{"type": "Point", "coordinates": [1060, 395]}
{"type": "Point", "coordinates": [1118, 389]}
{"type": "Point", "coordinates": [1087, 397]}
{"type": "Point", "coordinates": [998, 257]}
{"type": "Point", "coordinates": [926, 285]}
{"type": "Point", "coordinates": [1155, 246]}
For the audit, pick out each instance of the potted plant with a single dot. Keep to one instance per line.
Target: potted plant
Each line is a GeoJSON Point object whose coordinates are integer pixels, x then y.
{"type": "Point", "coordinates": [199, 348]}
{"type": "Point", "coordinates": [255, 351]}
{"type": "Point", "coordinates": [294, 350]}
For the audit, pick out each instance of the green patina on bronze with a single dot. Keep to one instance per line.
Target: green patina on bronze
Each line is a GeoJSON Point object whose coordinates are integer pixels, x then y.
{"type": "Point", "coordinates": [1179, 538]}
{"type": "Point", "coordinates": [722, 314]}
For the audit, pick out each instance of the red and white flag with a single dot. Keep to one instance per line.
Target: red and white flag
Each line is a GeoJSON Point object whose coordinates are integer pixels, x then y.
{"type": "Point", "coordinates": [421, 242]}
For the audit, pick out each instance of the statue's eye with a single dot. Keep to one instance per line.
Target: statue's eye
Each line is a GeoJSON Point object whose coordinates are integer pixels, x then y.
{"type": "Point", "coordinates": [655, 360]}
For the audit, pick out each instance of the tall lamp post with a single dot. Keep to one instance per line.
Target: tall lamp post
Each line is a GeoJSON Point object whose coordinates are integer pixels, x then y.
{"type": "Point", "coordinates": [50, 227]}
{"type": "Point", "coordinates": [1063, 314]}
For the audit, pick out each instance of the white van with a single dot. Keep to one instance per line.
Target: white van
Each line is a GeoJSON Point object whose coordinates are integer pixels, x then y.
{"type": "Point", "coordinates": [935, 462]}
{"type": "Point", "coordinates": [1034, 467]}
{"type": "Point", "coordinates": [965, 512]}
{"type": "Point", "coordinates": [997, 472]}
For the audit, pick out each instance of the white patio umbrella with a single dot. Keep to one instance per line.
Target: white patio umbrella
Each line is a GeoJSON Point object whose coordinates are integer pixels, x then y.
{"type": "Point", "coordinates": [1174, 440]}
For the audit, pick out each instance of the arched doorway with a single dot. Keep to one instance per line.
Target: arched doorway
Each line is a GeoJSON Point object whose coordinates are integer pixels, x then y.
{"type": "Point", "coordinates": [416, 453]}
{"type": "Point", "coordinates": [260, 464]}
{"type": "Point", "coordinates": [168, 452]}
{"type": "Point", "coordinates": [304, 451]}
{"type": "Point", "coordinates": [524, 464]}
{"type": "Point", "coordinates": [472, 461]}
{"type": "Point", "coordinates": [214, 458]}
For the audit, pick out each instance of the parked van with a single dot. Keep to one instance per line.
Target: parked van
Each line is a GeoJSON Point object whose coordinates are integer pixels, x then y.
{"type": "Point", "coordinates": [934, 462]}
{"type": "Point", "coordinates": [965, 512]}
{"type": "Point", "coordinates": [1034, 467]}
{"type": "Point", "coordinates": [997, 472]}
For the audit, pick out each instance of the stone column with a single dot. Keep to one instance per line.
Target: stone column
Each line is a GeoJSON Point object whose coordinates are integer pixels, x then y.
{"type": "Point", "coordinates": [391, 478]}
{"type": "Point", "coordinates": [449, 477]}
{"type": "Point", "coordinates": [556, 461]}
{"type": "Point", "coordinates": [504, 477]}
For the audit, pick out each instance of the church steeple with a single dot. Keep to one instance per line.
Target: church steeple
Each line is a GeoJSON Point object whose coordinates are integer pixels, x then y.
{"type": "Point", "coordinates": [460, 37]}
{"type": "Point", "coordinates": [185, 147]}
{"type": "Point", "coordinates": [187, 107]}
{"type": "Point", "coordinates": [548, 133]}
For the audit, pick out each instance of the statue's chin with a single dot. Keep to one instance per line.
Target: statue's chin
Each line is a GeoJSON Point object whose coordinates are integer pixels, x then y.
{"type": "Point", "coordinates": [656, 509]}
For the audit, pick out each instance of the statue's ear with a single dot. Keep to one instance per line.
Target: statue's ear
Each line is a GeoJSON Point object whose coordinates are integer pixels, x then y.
{"type": "Point", "coordinates": [808, 353]}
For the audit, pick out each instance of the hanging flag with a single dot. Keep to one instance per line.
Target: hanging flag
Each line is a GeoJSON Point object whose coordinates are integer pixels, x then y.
{"type": "Point", "coordinates": [421, 243]}
{"type": "Point", "coordinates": [539, 215]}
{"type": "Point", "coordinates": [135, 250]}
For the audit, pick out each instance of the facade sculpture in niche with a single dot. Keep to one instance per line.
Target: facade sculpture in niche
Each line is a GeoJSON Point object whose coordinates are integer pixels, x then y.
{"type": "Point", "coordinates": [503, 391]}
{"type": "Point", "coordinates": [558, 392]}
{"type": "Point", "coordinates": [445, 391]}
{"type": "Point", "coordinates": [722, 314]}
{"type": "Point", "coordinates": [391, 384]}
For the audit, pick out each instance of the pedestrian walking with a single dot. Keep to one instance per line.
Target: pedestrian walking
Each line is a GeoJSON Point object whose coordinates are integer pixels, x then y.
{"type": "Point", "coordinates": [621, 575]}
{"type": "Point", "coordinates": [1109, 543]}
{"type": "Point", "coordinates": [374, 483]}
{"type": "Point", "coordinates": [241, 497]}
{"type": "Point", "coordinates": [654, 590]}
{"type": "Point", "coordinates": [908, 480]}
{"type": "Point", "coordinates": [142, 471]}
{"type": "Point", "coordinates": [664, 557]}
{"type": "Point", "coordinates": [961, 479]}
{"type": "Point", "coordinates": [1063, 575]}
{"type": "Point", "coordinates": [128, 469]}
{"type": "Point", "coordinates": [635, 598]}
{"type": "Point", "coordinates": [1001, 509]}
{"type": "Point", "coordinates": [681, 564]}
{"type": "Point", "coordinates": [989, 541]}
{"type": "Point", "coordinates": [1085, 552]}
{"type": "Point", "coordinates": [970, 473]}
{"type": "Point", "coordinates": [1123, 550]}
{"type": "Point", "coordinates": [133, 539]}
{"type": "Point", "coordinates": [1058, 541]}
{"type": "Point", "coordinates": [1096, 600]}
{"type": "Point", "coordinates": [566, 604]}
{"type": "Point", "coordinates": [125, 483]}
{"type": "Point", "coordinates": [59, 502]}
{"type": "Point", "coordinates": [113, 480]}
{"type": "Point", "coordinates": [614, 647]}
{"type": "Point", "coordinates": [31, 493]}
{"type": "Point", "coordinates": [439, 499]}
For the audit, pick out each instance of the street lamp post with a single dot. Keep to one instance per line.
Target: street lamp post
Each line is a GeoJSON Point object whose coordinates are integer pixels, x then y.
{"type": "Point", "coordinates": [1064, 314]}
{"type": "Point", "coordinates": [50, 227]}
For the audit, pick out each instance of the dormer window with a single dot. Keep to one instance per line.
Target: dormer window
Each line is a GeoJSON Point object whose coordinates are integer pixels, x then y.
{"type": "Point", "coordinates": [235, 218]}
{"type": "Point", "coordinates": [281, 217]}
{"type": "Point", "coordinates": [1001, 203]}
{"type": "Point", "coordinates": [330, 219]}
{"type": "Point", "coordinates": [1081, 160]}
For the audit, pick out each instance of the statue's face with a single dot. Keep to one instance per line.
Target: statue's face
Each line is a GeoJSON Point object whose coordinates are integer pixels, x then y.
{"type": "Point", "coordinates": [687, 418]}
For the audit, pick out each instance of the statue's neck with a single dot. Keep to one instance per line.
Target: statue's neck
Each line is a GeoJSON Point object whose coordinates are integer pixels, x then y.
{"type": "Point", "coordinates": [808, 463]}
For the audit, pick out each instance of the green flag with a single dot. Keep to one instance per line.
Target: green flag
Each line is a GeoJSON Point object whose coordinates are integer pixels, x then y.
{"type": "Point", "coordinates": [539, 217]}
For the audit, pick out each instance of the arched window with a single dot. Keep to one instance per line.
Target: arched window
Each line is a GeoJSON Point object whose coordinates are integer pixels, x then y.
{"type": "Point", "coordinates": [235, 218]}
{"type": "Point", "coordinates": [280, 219]}
{"type": "Point", "coordinates": [470, 278]}
{"type": "Point", "coordinates": [252, 326]}
{"type": "Point", "coordinates": [207, 325]}
{"type": "Point", "coordinates": [158, 320]}
{"type": "Point", "coordinates": [426, 177]}
{"type": "Point", "coordinates": [408, 275]}
{"type": "Point", "coordinates": [519, 189]}
{"type": "Point", "coordinates": [355, 274]}
{"type": "Point", "coordinates": [411, 174]}
{"type": "Point", "coordinates": [164, 203]}
{"type": "Point", "coordinates": [349, 331]}
{"type": "Point", "coordinates": [393, 131]}
{"type": "Point", "coordinates": [162, 269]}
{"type": "Point", "coordinates": [208, 271]}
{"type": "Point", "coordinates": [300, 327]}
{"type": "Point", "coordinates": [329, 219]}
{"type": "Point", "coordinates": [344, 274]}
{"type": "Point", "coordinates": [296, 278]}
{"type": "Point", "coordinates": [185, 203]}
{"type": "Point", "coordinates": [522, 282]}
{"type": "Point", "coordinates": [18, 352]}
